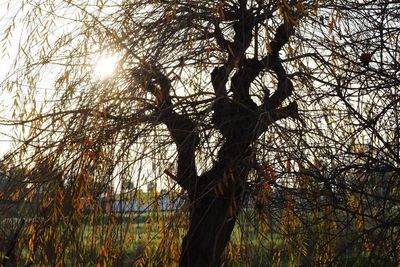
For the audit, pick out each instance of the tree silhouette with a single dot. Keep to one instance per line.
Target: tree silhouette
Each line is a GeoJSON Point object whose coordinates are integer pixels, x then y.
{"type": "Point", "coordinates": [288, 108]}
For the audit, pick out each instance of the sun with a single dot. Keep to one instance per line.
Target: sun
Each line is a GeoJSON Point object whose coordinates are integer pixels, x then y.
{"type": "Point", "coordinates": [105, 66]}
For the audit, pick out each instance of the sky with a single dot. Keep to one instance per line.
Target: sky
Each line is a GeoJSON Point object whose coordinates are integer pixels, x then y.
{"type": "Point", "coordinates": [103, 66]}
{"type": "Point", "coordinates": [6, 98]}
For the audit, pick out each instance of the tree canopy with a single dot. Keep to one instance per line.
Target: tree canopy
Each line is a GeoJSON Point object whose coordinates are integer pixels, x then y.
{"type": "Point", "coordinates": [277, 121]}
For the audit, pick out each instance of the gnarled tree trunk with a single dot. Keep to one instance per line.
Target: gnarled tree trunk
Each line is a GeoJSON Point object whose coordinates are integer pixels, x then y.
{"type": "Point", "coordinates": [212, 220]}
{"type": "Point", "coordinates": [216, 196]}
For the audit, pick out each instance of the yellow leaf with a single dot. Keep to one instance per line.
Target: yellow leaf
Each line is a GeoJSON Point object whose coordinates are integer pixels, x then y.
{"type": "Point", "coordinates": [332, 24]}
{"type": "Point", "coordinates": [288, 166]}
{"type": "Point", "coordinates": [14, 196]}
{"type": "Point", "coordinates": [103, 253]}
{"type": "Point", "coordinates": [31, 245]}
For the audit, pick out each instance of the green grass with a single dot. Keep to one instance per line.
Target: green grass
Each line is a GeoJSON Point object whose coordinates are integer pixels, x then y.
{"type": "Point", "coordinates": [142, 239]}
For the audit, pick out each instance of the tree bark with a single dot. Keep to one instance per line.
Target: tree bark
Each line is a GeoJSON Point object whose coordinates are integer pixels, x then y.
{"type": "Point", "coordinates": [209, 232]}
{"type": "Point", "coordinates": [216, 196]}
{"type": "Point", "coordinates": [213, 216]}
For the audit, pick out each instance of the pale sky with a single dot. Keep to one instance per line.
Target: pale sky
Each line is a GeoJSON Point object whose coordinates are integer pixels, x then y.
{"type": "Point", "coordinates": [104, 66]}
{"type": "Point", "coordinates": [6, 99]}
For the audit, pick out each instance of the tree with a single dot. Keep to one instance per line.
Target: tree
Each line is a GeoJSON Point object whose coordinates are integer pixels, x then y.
{"type": "Point", "coordinates": [208, 94]}
{"type": "Point", "coordinates": [12, 189]}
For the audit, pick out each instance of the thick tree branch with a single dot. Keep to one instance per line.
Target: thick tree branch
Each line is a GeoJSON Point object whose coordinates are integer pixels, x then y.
{"type": "Point", "coordinates": [284, 90]}
{"type": "Point", "coordinates": [222, 106]}
{"type": "Point", "coordinates": [184, 134]}
{"type": "Point", "coordinates": [274, 62]}
{"type": "Point", "coordinates": [251, 69]}
{"type": "Point", "coordinates": [290, 111]}
{"type": "Point", "coordinates": [181, 127]}
{"type": "Point", "coordinates": [241, 82]}
{"type": "Point", "coordinates": [223, 44]}
{"type": "Point", "coordinates": [242, 26]}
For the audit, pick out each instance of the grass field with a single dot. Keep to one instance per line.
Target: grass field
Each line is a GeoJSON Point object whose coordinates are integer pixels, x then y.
{"type": "Point", "coordinates": [154, 238]}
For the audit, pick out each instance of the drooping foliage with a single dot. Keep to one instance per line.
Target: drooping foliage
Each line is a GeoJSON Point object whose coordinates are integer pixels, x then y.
{"type": "Point", "coordinates": [275, 122]}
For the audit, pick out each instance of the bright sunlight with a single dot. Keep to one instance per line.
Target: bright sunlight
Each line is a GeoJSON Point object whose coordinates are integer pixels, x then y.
{"type": "Point", "coordinates": [105, 66]}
